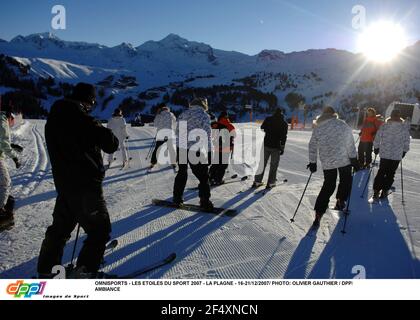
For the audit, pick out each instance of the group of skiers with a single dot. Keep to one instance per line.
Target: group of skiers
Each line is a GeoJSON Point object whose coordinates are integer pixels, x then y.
{"type": "Point", "coordinates": [78, 168]}
{"type": "Point", "coordinates": [333, 140]}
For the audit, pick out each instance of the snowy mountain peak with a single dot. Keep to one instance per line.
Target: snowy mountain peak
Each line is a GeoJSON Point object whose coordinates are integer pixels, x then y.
{"type": "Point", "coordinates": [172, 38]}
{"type": "Point", "coordinates": [271, 55]}
{"type": "Point", "coordinates": [36, 37]}
{"type": "Point", "coordinates": [177, 44]}
{"type": "Point", "coordinates": [126, 48]}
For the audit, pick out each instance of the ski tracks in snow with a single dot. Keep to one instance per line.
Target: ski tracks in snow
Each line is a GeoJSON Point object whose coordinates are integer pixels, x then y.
{"type": "Point", "coordinates": [37, 165]}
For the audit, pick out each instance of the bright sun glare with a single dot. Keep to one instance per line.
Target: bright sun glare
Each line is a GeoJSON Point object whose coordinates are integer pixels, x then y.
{"type": "Point", "coordinates": [382, 41]}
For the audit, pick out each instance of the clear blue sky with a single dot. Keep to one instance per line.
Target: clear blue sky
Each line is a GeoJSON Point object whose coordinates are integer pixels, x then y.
{"type": "Point", "coordinates": [242, 25]}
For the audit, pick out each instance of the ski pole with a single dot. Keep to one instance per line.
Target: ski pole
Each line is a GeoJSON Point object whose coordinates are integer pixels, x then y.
{"type": "Point", "coordinates": [151, 148]}
{"type": "Point", "coordinates": [127, 148]}
{"type": "Point", "coordinates": [74, 248]}
{"type": "Point", "coordinates": [300, 202]}
{"type": "Point", "coordinates": [368, 178]}
{"type": "Point", "coordinates": [347, 212]}
{"type": "Point", "coordinates": [402, 182]}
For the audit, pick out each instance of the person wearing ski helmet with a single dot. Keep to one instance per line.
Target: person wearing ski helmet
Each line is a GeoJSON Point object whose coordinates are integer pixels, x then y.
{"type": "Point", "coordinates": [74, 142]}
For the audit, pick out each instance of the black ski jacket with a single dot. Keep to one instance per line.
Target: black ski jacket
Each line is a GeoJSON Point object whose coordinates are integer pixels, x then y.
{"type": "Point", "coordinates": [74, 141]}
{"type": "Point", "coordinates": [276, 129]}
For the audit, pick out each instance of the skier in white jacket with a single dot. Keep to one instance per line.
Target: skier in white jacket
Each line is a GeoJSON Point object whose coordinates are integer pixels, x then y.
{"type": "Point", "coordinates": [119, 128]}
{"type": "Point", "coordinates": [6, 199]}
{"type": "Point", "coordinates": [165, 123]}
{"type": "Point", "coordinates": [194, 150]}
{"type": "Point", "coordinates": [392, 143]}
{"type": "Point", "coordinates": [333, 140]}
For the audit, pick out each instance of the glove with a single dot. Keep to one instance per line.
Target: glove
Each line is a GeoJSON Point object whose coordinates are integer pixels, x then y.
{"type": "Point", "coordinates": [404, 154]}
{"type": "Point", "coordinates": [312, 167]}
{"type": "Point", "coordinates": [16, 147]}
{"type": "Point", "coordinates": [17, 163]}
{"type": "Point", "coordinates": [282, 149]}
{"type": "Point", "coordinates": [355, 164]}
{"type": "Point", "coordinates": [376, 151]}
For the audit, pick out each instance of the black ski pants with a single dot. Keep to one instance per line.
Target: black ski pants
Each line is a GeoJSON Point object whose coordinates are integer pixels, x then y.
{"type": "Point", "coordinates": [88, 208]}
{"type": "Point", "coordinates": [386, 173]}
{"type": "Point", "coordinates": [330, 181]}
{"type": "Point", "coordinates": [200, 170]}
{"type": "Point", "coordinates": [365, 153]}
{"type": "Point", "coordinates": [219, 166]}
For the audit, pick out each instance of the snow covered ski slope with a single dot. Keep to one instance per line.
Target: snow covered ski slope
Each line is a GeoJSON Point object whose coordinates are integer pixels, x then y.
{"type": "Point", "coordinates": [382, 240]}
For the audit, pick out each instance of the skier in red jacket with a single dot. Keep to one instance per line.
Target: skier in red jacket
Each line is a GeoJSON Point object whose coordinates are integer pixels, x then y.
{"type": "Point", "coordinates": [225, 134]}
{"type": "Point", "coordinates": [368, 132]}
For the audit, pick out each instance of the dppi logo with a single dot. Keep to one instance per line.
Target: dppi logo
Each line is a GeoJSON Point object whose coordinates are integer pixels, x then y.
{"type": "Point", "coordinates": [26, 290]}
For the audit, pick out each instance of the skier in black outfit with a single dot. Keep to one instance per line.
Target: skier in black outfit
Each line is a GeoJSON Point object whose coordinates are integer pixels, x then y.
{"type": "Point", "coordinates": [276, 129]}
{"type": "Point", "coordinates": [74, 141]}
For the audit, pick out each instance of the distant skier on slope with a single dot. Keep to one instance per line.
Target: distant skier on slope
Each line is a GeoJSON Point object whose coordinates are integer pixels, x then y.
{"type": "Point", "coordinates": [119, 127]}
{"type": "Point", "coordinates": [165, 123]}
{"type": "Point", "coordinates": [392, 143]}
{"type": "Point", "coordinates": [74, 141]}
{"type": "Point", "coordinates": [276, 129]}
{"type": "Point", "coordinates": [194, 149]}
{"type": "Point", "coordinates": [368, 132]}
{"type": "Point", "coordinates": [7, 202]}
{"type": "Point", "coordinates": [224, 145]}
{"type": "Point", "coordinates": [333, 140]}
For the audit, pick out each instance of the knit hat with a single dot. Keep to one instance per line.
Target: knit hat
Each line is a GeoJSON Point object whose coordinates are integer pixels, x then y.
{"type": "Point", "coordinates": [84, 92]}
{"type": "Point", "coordinates": [329, 110]}
{"type": "Point", "coordinates": [200, 102]}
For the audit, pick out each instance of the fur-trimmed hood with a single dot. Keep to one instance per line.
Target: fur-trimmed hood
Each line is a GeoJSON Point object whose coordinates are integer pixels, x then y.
{"type": "Point", "coordinates": [325, 117]}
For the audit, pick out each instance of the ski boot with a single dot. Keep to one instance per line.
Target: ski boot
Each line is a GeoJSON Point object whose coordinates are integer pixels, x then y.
{"type": "Point", "coordinates": [376, 196]}
{"type": "Point", "coordinates": [271, 186]}
{"type": "Point", "coordinates": [216, 183]}
{"type": "Point", "coordinates": [256, 185]}
{"type": "Point", "coordinates": [206, 205]}
{"type": "Point", "coordinates": [384, 195]}
{"type": "Point", "coordinates": [317, 221]}
{"type": "Point", "coordinates": [340, 205]}
{"type": "Point", "coordinates": [179, 202]}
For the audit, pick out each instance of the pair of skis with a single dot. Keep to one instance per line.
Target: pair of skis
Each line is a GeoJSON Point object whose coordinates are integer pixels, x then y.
{"type": "Point", "coordinates": [151, 267]}
{"type": "Point", "coordinates": [195, 208]}
{"type": "Point", "coordinates": [233, 179]}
